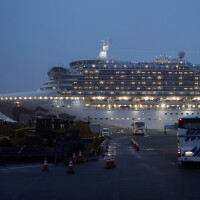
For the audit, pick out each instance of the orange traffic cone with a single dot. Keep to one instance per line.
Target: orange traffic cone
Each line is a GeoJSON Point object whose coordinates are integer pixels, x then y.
{"type": "Point", "coordinates": [108, 163]}
{"type": "Point", "coordinates": [80, 158]}
{"type": "Point", "coordinates": [74, 157]}
{"type": "Point", "coordinates": [45, 166]}
{"type": "Point", "coordinates": [70, 169]}
{"type": "Point", "coordinates": [112, 163]}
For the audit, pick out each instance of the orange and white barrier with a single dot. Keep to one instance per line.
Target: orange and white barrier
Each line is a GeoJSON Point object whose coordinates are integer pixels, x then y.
{"type": "Point", "coordinates": [135, 144]}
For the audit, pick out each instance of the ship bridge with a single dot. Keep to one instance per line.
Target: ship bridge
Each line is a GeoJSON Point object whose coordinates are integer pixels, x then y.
{"type": "Point", "coordinates": [57, 73]}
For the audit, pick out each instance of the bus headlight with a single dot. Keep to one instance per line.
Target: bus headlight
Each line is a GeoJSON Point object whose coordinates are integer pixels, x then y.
{"type": "Point", "coordinates": [188, 153]}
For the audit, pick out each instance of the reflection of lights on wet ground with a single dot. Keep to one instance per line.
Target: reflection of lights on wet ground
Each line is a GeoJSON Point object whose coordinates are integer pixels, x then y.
{"type": "Point", "coordinates": [111, 150]}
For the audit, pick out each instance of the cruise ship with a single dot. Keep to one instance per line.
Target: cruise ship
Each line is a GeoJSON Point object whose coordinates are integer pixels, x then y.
{"type": "Point", "coordinates": [113, 93]}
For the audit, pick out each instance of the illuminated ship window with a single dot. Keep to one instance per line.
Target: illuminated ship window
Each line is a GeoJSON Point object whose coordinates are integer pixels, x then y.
{"type": "Point", "coordinates": [117, 118]}
{"type": "Point", "coordinates": [112, 118]}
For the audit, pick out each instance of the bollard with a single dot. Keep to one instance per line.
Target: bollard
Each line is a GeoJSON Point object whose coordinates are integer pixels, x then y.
{"type": "Point", "coordinates": [165, 131]}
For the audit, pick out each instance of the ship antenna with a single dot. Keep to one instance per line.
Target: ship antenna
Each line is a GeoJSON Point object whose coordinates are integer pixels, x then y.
{"type": "Point", "coordinates": [103, 53]}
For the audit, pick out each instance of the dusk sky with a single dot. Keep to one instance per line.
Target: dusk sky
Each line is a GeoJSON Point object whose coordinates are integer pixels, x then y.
{"type": "Point", "coordinates": [38, 34]}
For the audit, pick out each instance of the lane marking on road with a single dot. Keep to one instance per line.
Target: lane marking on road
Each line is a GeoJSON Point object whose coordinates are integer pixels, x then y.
{"type": "Point", "coordinates": [149, 149]}
{"type": "Point", "coordinates": [22, 167]}
{"type": "Point", "coordinates": [173, 163]}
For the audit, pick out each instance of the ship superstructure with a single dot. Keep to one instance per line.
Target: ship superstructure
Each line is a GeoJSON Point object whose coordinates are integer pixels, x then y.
{"type": "Point", "coordinates": [116, 92]}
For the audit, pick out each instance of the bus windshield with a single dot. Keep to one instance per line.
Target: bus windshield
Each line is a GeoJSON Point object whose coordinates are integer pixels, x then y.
{"type": "Point", "coordinates": [189, 123]}
{"type": "Point", "coordinates": [139, 124]}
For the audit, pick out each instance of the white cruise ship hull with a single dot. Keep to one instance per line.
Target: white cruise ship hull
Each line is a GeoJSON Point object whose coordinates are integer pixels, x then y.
{"type": "Point", "coordinates": [75, 109]}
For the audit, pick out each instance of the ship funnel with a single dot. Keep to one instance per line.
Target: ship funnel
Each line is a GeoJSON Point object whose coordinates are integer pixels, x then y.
{"type": "Point", "coordinates": [103, 53]}
{"type": "Point", "coordinates": [181, 55]}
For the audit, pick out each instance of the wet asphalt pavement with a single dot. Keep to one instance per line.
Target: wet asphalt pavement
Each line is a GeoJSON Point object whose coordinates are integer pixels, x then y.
{"type": "Point", "coordinates": [150, 173]}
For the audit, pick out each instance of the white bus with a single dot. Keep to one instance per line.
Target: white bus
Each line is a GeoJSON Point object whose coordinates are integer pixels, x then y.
{"type": "Point", "coordinates": [188, 136]}
{"type": "Point", "coordinates": [138, 127]}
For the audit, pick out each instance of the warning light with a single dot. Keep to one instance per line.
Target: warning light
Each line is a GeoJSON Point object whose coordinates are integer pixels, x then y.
{"type": "Point", "coordinates": [180, 122]}
{"type": "Point", "coordinates": [179, 152]}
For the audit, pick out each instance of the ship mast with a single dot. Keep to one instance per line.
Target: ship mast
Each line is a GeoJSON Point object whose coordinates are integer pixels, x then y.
{"type": "Point", "coordinates": [103, 53]}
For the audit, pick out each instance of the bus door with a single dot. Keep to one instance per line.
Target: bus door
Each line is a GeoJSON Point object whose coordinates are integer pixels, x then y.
{"type": "Point", "coordinates": [188, 136]}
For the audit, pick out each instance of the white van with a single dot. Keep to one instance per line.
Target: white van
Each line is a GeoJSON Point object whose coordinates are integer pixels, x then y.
{"type": "Point", "coordinates": [138, 127]}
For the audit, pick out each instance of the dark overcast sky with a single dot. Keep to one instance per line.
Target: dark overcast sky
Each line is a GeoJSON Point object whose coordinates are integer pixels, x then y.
{"type": "Point", "coordinates": [37, 34]}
